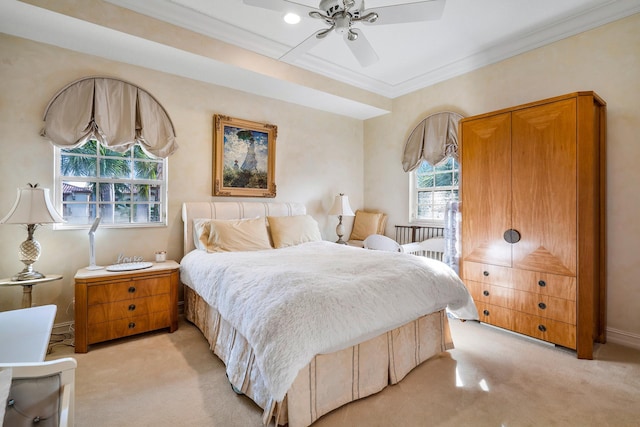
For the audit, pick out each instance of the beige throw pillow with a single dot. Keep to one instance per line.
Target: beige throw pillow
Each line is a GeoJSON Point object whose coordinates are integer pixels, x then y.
{"type": "Point", "coordinates": [235, 235]}
{"type": "Point", "coordinates": [365, 224]}
{"type": "Point", "coordinates": [293, 230]}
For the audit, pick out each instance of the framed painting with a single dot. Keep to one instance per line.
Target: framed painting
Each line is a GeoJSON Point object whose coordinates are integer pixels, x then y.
{"type": "Point", "coordinates": [244, 157]}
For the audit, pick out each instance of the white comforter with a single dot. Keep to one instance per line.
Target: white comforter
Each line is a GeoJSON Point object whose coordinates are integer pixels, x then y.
{"type": "Point", "coordinates": [293, 303]}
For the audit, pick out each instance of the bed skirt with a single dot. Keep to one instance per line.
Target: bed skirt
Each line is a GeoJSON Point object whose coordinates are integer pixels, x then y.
{"type": "Point", "coordinates": [329, 380]}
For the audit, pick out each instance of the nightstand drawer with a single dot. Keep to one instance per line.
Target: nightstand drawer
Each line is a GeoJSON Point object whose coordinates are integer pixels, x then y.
{"type": "Point", "coordinates": [124, 290]}
{"type": "Point", "coordinates": [125, 327]}
{"type": "Point", "coordinates": [127, 309]}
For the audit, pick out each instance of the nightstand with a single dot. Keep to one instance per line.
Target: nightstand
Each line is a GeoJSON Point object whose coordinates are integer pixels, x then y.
{"type": "Point", "coordinates": [27, 286]}
{"type": "Point", "coordinates": [110, 304]}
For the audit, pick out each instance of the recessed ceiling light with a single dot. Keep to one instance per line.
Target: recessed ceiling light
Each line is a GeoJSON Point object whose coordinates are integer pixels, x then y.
{"type": "Point", "coordinates": [291, 18]}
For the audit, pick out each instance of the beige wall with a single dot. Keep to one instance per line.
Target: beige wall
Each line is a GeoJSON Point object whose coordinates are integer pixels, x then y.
{"type": "Point", "coordinates": [31, 73]}
{"type": "Point", "coordinates": [605, 60]}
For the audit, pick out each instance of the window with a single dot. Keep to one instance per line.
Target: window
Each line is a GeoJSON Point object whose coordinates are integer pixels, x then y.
{"type": "Point", "coordinates": [431, 188]}
{"type": "Point", "coordinates": [125, 189]}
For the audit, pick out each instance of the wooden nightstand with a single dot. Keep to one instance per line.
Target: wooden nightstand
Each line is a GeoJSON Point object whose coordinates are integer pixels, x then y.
{"type": "Point", "coordinates": [110, 305]}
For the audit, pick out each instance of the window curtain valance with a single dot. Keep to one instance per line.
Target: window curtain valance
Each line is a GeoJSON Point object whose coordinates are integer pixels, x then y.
{"type": "Point", "coordinates": [434, 139]}
{"type": "Point", "coordinates": [115, 113]}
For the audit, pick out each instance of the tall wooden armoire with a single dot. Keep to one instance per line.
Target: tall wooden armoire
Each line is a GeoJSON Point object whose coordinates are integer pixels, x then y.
{"type": "Point", "coordinates": [533, 218]}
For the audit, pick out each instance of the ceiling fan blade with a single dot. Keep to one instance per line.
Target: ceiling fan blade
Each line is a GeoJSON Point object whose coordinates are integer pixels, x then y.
{"type": "Point", "coordinates": [408, 12]}
{"type": "Point", "coordinates": [281, 6]}
{"type": "Point", "coordinates": [361, 48]}
{"type": "Point", "coordinates": [306, 45]}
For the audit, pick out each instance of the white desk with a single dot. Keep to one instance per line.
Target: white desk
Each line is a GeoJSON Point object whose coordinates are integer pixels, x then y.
{"type": "Point", "coordinates": [25, 333]}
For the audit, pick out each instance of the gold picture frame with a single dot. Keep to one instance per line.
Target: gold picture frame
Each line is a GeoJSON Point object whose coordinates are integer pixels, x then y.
{"type": "Point", "coordinates": [244, 157]}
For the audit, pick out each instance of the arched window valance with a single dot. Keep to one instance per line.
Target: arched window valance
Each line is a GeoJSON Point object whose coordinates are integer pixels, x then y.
{"type": "Point", "coordinates": [434, 139]}
{"type": "Point", "coordinates": [115, 113]}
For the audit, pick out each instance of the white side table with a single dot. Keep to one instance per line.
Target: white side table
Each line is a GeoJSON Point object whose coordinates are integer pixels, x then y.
{"type": "Point", "coordinates": [27, 285]}
{"type": "Point", "coordinates": [25, 334]}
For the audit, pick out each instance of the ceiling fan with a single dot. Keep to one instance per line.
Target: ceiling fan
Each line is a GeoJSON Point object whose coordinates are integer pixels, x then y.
{"type": "Point", "coordinates": [341, 15]}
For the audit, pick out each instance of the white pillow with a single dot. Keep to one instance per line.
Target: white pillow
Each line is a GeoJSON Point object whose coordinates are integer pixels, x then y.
{"type": "Point", "coordinates": [235, 235]}
{"type": "Point", "coordinates": [293, 230]}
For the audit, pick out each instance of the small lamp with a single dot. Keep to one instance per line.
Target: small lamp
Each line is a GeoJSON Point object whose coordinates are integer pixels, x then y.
{"type": "Point", "coordinates": [341, 208]}
{"type": "Point", "coordinates": [32, 208]}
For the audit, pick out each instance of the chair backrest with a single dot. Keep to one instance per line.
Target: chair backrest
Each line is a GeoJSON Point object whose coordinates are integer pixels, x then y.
{"type": "Point", "coordinates": [42, 391]}
{"type": "Point", "coordinates": [381, 243]}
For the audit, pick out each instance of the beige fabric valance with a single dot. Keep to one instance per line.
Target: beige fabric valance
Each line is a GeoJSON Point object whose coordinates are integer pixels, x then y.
{"type": "Point", "coordinates": [115, 113]}
{"type": "Point", "coordinates": [434, 139]}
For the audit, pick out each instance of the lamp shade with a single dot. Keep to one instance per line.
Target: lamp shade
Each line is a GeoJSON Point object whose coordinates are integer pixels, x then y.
{"type": "Point", "coordinates": [33, 206]}
{"type": "Point", "coordinates": [341, 206]}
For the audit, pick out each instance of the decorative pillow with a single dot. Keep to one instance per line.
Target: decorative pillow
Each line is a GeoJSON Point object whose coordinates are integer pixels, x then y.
{"type": "Point", "coordinates": [219, 235]}
{"type": "Point", "coordinates": [201, 229]}
{"type": "Point", "coordinates": [293, 230]}
{"type": "Point", "coordinates": [365, 224]}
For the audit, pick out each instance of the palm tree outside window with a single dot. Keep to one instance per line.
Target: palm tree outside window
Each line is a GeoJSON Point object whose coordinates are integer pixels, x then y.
{"type": "Point", "coordinates": [125, 189]}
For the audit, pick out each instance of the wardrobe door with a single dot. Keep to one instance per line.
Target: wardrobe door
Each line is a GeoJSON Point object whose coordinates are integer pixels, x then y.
{"type": "Point", "coordinates": [544, 187]}
{"type": "Point", "coordinates": [486, 191]}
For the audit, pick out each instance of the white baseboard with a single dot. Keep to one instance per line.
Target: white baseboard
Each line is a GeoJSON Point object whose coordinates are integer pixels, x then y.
{"type": "Point", "coordinates": [624, 338]}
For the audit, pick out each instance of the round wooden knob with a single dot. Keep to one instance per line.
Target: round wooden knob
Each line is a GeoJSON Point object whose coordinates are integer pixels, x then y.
{"type": "Point", "coordinates": [132, 289]}
{"type": "Point", "coordinates": [485, 312]}
{"type": "Point", "coordinates": [132, 307]}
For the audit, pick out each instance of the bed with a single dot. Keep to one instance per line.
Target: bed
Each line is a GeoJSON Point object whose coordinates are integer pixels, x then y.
{"type": "Point", "coordinates": [268, 353]}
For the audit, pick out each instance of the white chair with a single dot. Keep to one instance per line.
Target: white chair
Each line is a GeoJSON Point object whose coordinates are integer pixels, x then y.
{"type": "Point", "coordinates": [42, 393]}
{"type": "Point", "coordinates": [381, 243]}
{"type": "Point", "coordinates": [430, 248]}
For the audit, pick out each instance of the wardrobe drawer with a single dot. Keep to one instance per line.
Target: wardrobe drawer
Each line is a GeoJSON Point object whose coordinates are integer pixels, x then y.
{"type": "Point", "coordinates": [530, 281]}
{"type": "Point", "coordinates": [549, 330]}
{"type": "Point", "coordinates": [126, 309]}
{"type": "Point", "coordinates": [487, 273]}
{"type": "Point", "coordinates": [559, 309]}
{"type": "Point", "coordinates": [495, 315]}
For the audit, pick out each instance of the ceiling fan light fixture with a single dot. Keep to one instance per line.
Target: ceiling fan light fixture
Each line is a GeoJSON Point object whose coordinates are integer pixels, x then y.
{"type": "Point", "coordinates": [352, 35]}
{"type": "Point", "coordinates": [291, 18]}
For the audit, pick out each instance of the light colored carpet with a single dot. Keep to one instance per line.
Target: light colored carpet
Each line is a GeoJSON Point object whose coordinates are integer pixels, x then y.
{"type": "Point", "coordinates": [491, 378]}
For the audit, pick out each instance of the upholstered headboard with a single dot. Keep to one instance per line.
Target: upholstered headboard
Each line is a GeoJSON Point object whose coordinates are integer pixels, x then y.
{"type": "Point", "coordinates": [232, 210]}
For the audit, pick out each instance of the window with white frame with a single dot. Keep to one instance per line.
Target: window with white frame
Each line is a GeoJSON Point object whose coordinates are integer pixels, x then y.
{"type": "Point", "coordinates": [431, 188]}
{"type": "Point", "coordinates": [125, 189]}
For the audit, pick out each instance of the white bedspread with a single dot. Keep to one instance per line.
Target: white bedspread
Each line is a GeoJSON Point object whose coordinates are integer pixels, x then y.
{"type": "Point", "coordinates": [293, 303]}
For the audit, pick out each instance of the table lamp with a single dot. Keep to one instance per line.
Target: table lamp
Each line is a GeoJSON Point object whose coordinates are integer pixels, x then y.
{"type": "Point", "coordinates": [341, 208]}
{"type": "Point", "coordinates": [32, 208]}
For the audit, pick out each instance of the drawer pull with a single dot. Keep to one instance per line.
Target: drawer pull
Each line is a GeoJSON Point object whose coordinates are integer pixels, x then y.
{"type": "Point", "coordinates": [542, 283]}
{"type": "Point", "coordinates": [485, 312]}
{"type": "Point", "coordinates": [132, 289]}
{"type": "Point", "coordinates": [132, 307]}
{"type": "Point", "coordinates": [132, 325]}
{"type": "Point", "coordinates": [485, 273]}
{"type": "Point", "coordinates": [542, 328]}
{"type": "Point", "coordinates": [485, 293]}
{"type": "Point", "coordinates": [542, 305]}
